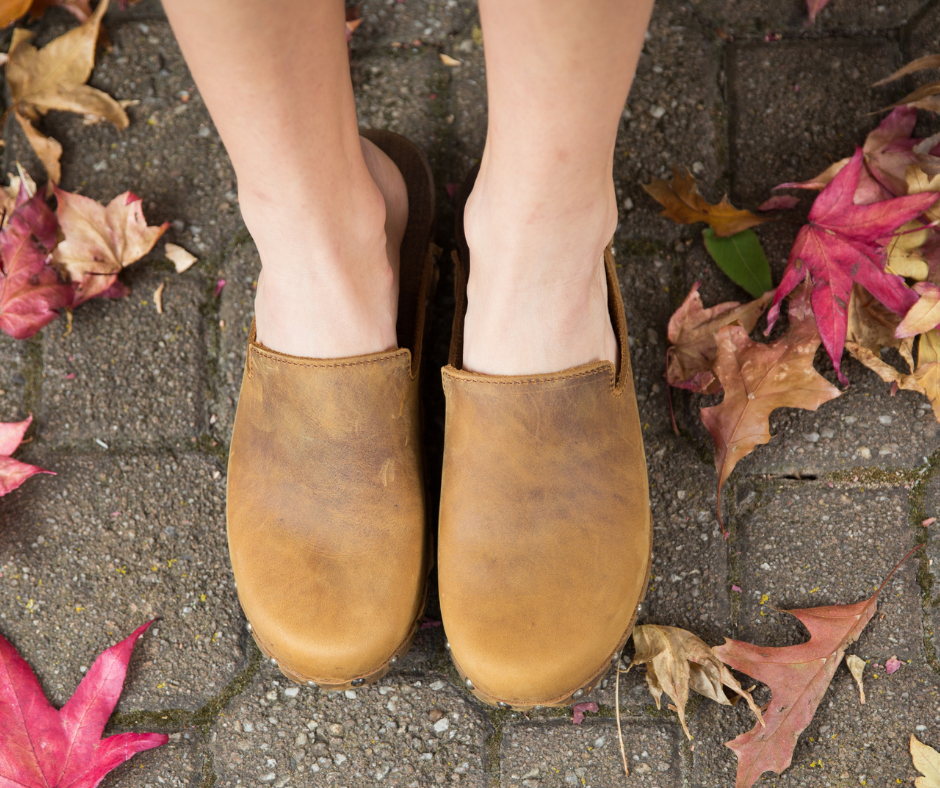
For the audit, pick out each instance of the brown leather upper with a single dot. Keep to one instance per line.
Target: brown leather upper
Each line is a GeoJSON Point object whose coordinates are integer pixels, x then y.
{"type": "Point", "coordinates": [545, 535]}
{"type": "Point", "coordinates": [326, 509]}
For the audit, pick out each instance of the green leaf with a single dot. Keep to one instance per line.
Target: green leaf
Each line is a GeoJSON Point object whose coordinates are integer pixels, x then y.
{"type": "Point", "coordinates": [741, 257]}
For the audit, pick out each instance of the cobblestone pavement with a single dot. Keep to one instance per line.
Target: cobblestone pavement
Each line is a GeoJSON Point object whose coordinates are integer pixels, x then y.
{"type": "Point", "coordinates": [133, 411]}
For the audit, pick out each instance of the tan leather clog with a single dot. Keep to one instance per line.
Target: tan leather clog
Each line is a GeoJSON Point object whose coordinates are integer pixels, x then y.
{"type": "Point", "coordinates": [326, 500]}
{"type": "Point", "coordinates": [545, 534]}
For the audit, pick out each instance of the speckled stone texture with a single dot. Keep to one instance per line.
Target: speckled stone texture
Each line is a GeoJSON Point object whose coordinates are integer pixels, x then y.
{"type": "Point", "coordinates": [134, 411]}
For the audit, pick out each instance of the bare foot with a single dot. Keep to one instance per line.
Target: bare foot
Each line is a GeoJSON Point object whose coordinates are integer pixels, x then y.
{"type": "Point", "coordinates": [537, 294]}
{"type": "Point", "coordinates": [330, 290]}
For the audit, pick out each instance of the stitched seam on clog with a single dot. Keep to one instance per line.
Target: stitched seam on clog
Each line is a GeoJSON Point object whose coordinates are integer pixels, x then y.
{"type": "Point", "coordinates": [528, 382]}
{"type": "Point", "coordinates": [317, 363]}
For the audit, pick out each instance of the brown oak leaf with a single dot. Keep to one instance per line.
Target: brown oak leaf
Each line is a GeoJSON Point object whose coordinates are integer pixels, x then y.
{"type": "Point", "coordinates": [677, 660]}
{"type": "Point", "coordinates": [758, 379]}
{"type": "Point", "coordinates": [53, 78]}
{"type": "Point", "coordinates": [798, 677]}
{"type": "Point", "coordinates": [99, 241]}
{"type": "Point", "coordinates": [691, 333]}
{"type": "Point", "coordinates": [684, 205]}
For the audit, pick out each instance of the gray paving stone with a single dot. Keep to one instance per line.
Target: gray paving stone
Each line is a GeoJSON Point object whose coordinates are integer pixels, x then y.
{"type": "Point", "coordinates": [760, 17]}
{"type": "Point", "coordinates": [170, 154]}
{"type": "Point", "coordinates": [930, 584]}
{"type": "Point", "coordinates": [236, 309]}
{"type": "Point", "coordinates": [798, 106]}
{"type": "Point", "coordinates": [846, 744]}
{"type": "Point", "coordinates": [864, 428]}
{"type": "Point", "coordinates": [177, 764]}
{"type": "Point", "coordinates": [125, 372]}
{"type": "Point", "coordinates": [469, 103]}
{"type": "Point", "coordinates": [674, 116]}
{"type": "Point", "coordinates": [15, 371]}
{"type": "Point", "coordinates": [104, 546]}
{"type": "Point", "coordinates": [802, 545]}
{"type": "Point", "coordinates": [386, 733]}
{"type": "Point", "coordinates": [561, 754]}
{"type": "Point", "coordinates": [432, 22]}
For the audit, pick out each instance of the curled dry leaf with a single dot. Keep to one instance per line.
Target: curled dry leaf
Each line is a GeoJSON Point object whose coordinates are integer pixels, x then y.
{"type": "Point", "coordinates": [677, 660]}
{"type": "Point", "coordinates": [684, 205]}
{"type": "Point", "coordinates": [42, 747]}
{"type": "Point", "coordinates": [447, 60]}
{"type": "Point", "coordinates": [180, 258]}
{"type": "Point", "coordinates": [904, 252]}
{"type": "Point", "coordinates": [9, 195]}
{"type": "Point", "coordinates": [779, 202]}
{"type": "Point", "coordinates": [919, 182]}
{"type": "Point", "coordinates": [927, 373]}
{"type": "Point", "coordinates": [158, 298]}
{"type": "Point", "coordinates": [579, 709]}
{"type": "Point", "coordinates": [924, 315]}
{"type": "Point", "coordinates": [13, 472]}
{"type": "Point", "coordinates": [757, 380]}
{"type": "Point", "coordinates": [31, 291]}
{"type": "Point", "coordinates": [842, 244]}
{"type": "Point", "coordinates": [798, 677]}
{"type": "Point", "coordinates": [691, 333]}
{"type": "Point", "coordinates": [53, 78]}
{"type": "Point", "coordinates": [100, 241]}
{"type": "Point", "coordinates": [857, 669]}
{"type": "Point", "coordinates": [11, 10]}
{"type": "Point", "coordinates": [927, 762]}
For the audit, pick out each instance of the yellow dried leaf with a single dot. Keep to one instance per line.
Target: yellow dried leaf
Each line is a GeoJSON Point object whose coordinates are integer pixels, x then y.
{"type": "Point", "coordinates": [447, 60]}
{"type": "Point", "coordinates": [677, 660]}
{"type": "Point", "coordinates": [684, 205]}
{"type": "Point", "coordinates": [927, 762]}
{"type": "Point", "coordinates": [158, 297]}
{"type": "Point", "coordinates": [857, 668]}
{"type": "Point", "coordinates": [927, 373]}
{"type": "Point", "coordinates": [904, 259]}
{"type": "Point", "coordinates": [53, 78]}
{"type": "Point", "coordinates": [924, 315]}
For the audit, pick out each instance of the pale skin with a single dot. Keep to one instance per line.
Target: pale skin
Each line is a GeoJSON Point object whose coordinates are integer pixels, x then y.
{"type": "Point", "coordinates": [327, 209]}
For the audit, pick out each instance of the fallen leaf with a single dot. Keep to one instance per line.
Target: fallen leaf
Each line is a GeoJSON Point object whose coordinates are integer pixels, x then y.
{"type": "Point", "coordinates": [13, 472]}
{"type": "Point", "coordinates": [857, 668]}
{"type": "Point", "coordinates": [779, 202]}
{"type": "Point", "coordinates": [921, 63]}
{"type": "Point", "coordinates": [742, 258]}
{"type": "Point", "coordinates": [691, 332]}
{"type": "Point", "coordinates": [158, 297]}
{"type": "Point", "coordinates": [447, 60]}
{"type": "Point", "coordinates": [100, 241]}
{"type": "Point", "coordinates": [813, 7]}
{"type": "Point", "coordinates": [903, 253]}
{"type": "Point", "coordinates": [177, 255]}
{"type": "Point", "coordinates": [53, 78]}
{"type": "Point", "coordinates": [677, 660]}
{"type": "Point", "coordinates": [684, 205]}
{"type": "Point", "coordinates": [919, 182]}
{"type": "Point", "coordinates": [892, 665]}
{"type": "Point", "coordinates": [841, 245]}
{"type": "Point", "coordinates": [757, 380]}
{"type": "Point", "coordinates": [927, 762]}
{"type": "Point", "coordinates": [798, 677]}
{"type": "Point", "coordinates": [928, 522]}
{"type": "Point", "coordinates": [218, 287]}
{"type": "Point", "coordinates": [578, 710]}
{"type": "Point", "coordinates": [927, 373]}
{"type": "Point", "coordinates": [45, 748]}
{"type": "Point", "coordinates": [30, 289]}
{"type": "Point", "coordinates": [923, 97]}
{"type": "Point", "coordinates": [10, 196]}
{"type": "Point", "coordinates": [924, 315]}
{"type": "Point", "coordinates": [11, 10]}
{"type": "Point", "coordinates": [80, 9]}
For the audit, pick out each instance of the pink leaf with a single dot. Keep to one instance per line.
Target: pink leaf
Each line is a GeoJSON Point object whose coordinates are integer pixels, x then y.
{"type": "Point", "coordinates": [13, 472]}
{"type": "Point", "coordinates": [929, 521]}
{"type": "Point", "coordinates": [218, 287]}
{"type": "Point", "coordinates": [779, 202]}
{"type": "Point", "coordinates": [30, 289]}
{"type": "Point", "coordinates": [892, 665]}
{"type": "Point", "coordinates": [45, 748]}
{"type": "Point", "coordinates": [736, 589]}
{"type": "Point", "coordinates": [579, 709]}
{"type": "Point", "coordinates": [844, 243]}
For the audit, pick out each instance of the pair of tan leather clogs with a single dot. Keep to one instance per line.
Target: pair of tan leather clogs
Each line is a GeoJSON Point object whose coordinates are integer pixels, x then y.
{"type": "Point", "coordinates": [544, 537]}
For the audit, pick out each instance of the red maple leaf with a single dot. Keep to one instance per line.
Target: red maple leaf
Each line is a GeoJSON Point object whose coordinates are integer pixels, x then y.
{"type": "Point", "coordinates": [44, 748]}
{"type": "Point", "coordinates": [13, 472]}
{"type": "Point", "coordinates": [30, 288]}
{"type": "Point", "coordinates": [844, 243]}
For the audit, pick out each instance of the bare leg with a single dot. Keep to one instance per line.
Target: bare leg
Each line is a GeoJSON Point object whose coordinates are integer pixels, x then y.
{"type": "Point", "coordinates": [544, 206]}
{"type": "Point", "coordinates": [327, 210]}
